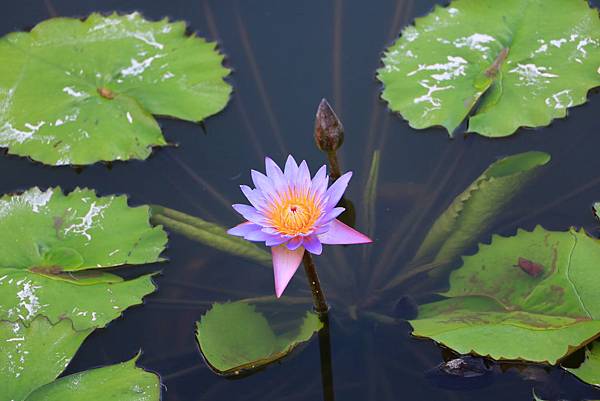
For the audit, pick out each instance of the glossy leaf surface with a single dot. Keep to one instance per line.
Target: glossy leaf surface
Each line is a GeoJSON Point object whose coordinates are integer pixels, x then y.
{"type": "Point", "coordinates": [79, 92]}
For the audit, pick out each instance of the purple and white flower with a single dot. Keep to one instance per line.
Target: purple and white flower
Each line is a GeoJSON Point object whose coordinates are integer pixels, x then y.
{"type": "Point", "coordinates": [292, 213]}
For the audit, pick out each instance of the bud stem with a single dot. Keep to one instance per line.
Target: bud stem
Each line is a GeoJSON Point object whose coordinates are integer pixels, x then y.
{"type": "Point", "coordinates": [315, 285]}
{"type": "Point", "coordinates": [334, 165]}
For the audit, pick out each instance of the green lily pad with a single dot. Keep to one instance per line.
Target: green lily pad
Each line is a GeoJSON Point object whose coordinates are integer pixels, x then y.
{"type": "Point", "coordinates": [529, 297]}
{"type": "Point", "coordinates": [473, 211]}
{"type": "Point", "coordinates": [121, 382]}
{"type": "Point", "coordinates": [51, 246]}
{"type": "Point", "coordinates": [36, 355]}
{"type": "Point", "coordinates": [589, 371]}
{"type": "Point", "coordinates": [495, 60]}
{"type": "Point", "coordinates": [79, 92]}
{"type": "Point", "coordinates": [234, 338]}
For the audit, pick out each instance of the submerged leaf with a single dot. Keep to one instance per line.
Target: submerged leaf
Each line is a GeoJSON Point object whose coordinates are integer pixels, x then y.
{"type": "Point", "coordinates": [370, 194]}
{"type": "Point", "coordinates": [33, 356]}
{"type": "Point", "coordinates": [234, 338]}
{"type": "Point", "coordinates": [495, 309]}
{"type": "Point", "coordinates": [78, 92]}
{"type": "Point", "coordinates": [50, 244]}
{"type": "Point", "coordinates": [497, 60]}
{"type": "Point", "coordinates": [121, 382]}
{"type": "Point", "coordinates": [209, 234]}
{"type": "Point", "coordinates": [474, 210]}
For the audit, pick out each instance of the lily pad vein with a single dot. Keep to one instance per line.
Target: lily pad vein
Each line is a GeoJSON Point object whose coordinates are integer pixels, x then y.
{"type": "Point", "coordinates": [571, 281]}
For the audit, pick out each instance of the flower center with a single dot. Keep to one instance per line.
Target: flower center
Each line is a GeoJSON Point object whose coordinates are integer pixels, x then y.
{"type": "Point", "coordinates": [294, 213]}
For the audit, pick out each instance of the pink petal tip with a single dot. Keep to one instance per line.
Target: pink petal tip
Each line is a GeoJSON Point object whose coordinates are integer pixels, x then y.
{"type": "Point", "coordinates": [341, 234]}
{"type": "Point", "coordinates": [285, 264]}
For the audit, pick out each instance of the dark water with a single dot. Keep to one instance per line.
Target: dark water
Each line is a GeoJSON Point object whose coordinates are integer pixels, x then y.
{"type": "Point", "coordinates": [286, 56]}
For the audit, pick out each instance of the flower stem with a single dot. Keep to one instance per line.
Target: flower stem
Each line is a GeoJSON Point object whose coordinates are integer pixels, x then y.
{"type": "Point", "coordinates": [325, 356]}
{"type": "Point", "coordinates": [334, 165]}
{"type": "Point", "coordinates": [315, 285]}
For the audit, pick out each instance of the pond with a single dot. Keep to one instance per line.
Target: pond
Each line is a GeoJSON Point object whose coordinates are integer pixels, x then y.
{"type": "Point", "coordinates": [286, 56]}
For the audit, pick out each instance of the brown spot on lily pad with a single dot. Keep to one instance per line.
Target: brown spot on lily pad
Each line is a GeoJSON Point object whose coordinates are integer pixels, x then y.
{"type": "Point", "coordinates": [530, 267]}
{"type": "Point", "coordinates": [106, 93]}
{"type": "Point", "coordinates": [558, 293]}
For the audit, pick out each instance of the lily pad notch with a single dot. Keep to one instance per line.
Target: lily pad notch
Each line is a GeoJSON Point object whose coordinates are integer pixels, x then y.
{"type": "Point", "coordinates": [496, 64]}
{"type": "Point", "coordinates": [79, 92]}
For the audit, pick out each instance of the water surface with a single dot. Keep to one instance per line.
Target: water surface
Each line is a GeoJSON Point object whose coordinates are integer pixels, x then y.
{"type": "Point", "coordinates": [286, 56]}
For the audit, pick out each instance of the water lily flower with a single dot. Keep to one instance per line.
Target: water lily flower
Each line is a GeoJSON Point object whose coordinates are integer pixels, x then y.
{"type": "Point", "coordinates": [293, 213]}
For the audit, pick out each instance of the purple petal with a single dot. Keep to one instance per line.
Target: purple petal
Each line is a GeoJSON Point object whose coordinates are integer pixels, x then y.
{"type": "Point", "coordinates": [319, 182]}
{"type": "Point", "coordinates": [321, 229]}
{"type": "Point", "coordinates": [332, 214]}
{"type": "Point", "coordinates": [276, 240]}
{"type": "Point", "coordinates": [258, 236]}
{"type": "Point", "coordinates": [276, 175]}
{"type": "Point", "coordinates": [303, 177]}
{"type": "Point", "coordinates": [337, 189]}
{"type": "Point", "coordinates": [254, 196]}
{"type": "Point", "coordinates": [270, 230]}
{"type": "Point", "coordinates": [242, 229]}
{"type": "Point", "coordinates": [313, 245]}
{"type": "Point", "coordinates": [263, 183]}
{"type": "Point", "coordinates": [249, 213]}
{"type": "Point", "coordinates": [285, 264]}
{"type": "Point", "coordinates": [341, 234]}
{"type": "Point", "coordinates": [291, 169]}
{"type": "Point", "coordinates": [295, 243]}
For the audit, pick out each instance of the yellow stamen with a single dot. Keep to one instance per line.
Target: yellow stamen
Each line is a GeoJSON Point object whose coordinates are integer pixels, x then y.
{"type": "Point", "coordinates": [294, 213]}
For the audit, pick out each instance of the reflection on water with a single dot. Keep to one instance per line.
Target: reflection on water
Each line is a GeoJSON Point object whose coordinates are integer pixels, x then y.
{"type": "Point", "coordinates": [286, 56]}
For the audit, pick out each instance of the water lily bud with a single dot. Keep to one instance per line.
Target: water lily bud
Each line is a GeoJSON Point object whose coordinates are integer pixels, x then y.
{"type": "Point", "coordinates": [329, 131]}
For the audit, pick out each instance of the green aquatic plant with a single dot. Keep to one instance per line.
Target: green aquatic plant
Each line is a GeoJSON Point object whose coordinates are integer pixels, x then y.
{"type": "Point", "coordinates": [208, 233]}
{"type": "Point", "coordinates": [470, 215]}
{"type": "Point", "coordinates": [472, 212]}
{"type": "Point", "coordinates": [235, 338]}
{"type": "Point", "coordinates": [79, 92]}
{"type": "Point", "coordinates": [496, 64]}
{"type": "Point", "coordinates": [54, 246]}
{"type": "Point", "coordinates": [53, 292]}
{"type": "Point", "coordinates": [589, 370]}
{"type": "Point", "coordinates": [532, 297]}
{"type": "Point", "coordinates": [34, 356]}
